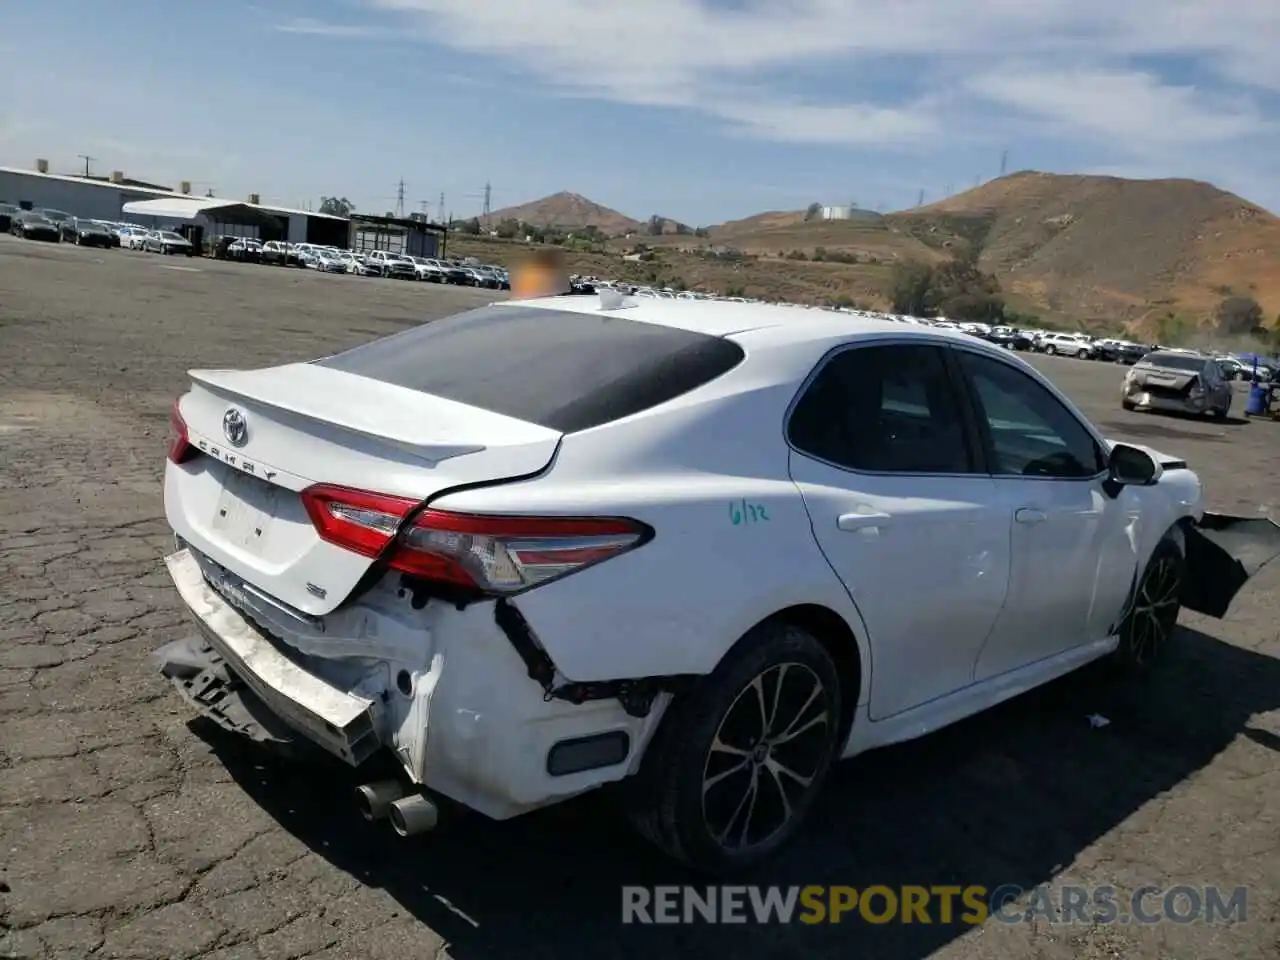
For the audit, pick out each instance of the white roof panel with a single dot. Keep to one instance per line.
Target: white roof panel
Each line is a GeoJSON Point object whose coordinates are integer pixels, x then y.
{"type": "Point", "coordinates": [176, 207]}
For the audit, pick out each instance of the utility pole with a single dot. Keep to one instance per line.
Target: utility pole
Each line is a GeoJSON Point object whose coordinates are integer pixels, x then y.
{"type": "Point", "coordinates": [400, 199]}
{"type": "Point", "coordinates": [488, 193]}
{"type": "Point", "coordinates": [87, 159]}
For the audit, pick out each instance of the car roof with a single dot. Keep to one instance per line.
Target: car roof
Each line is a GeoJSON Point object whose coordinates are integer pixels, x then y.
{"type": "Point", "coordinates": [783, 323]}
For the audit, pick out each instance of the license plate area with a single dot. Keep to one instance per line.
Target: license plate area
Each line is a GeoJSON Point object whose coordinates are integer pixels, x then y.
{"type": "Point", "coordinates": [246, 510]}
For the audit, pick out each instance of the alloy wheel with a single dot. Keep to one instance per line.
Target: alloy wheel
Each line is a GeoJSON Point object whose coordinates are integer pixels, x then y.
{"type": "Point", "coordinates": [1155, 610]}
{"type": "Point", "coordinates": [769, 749]}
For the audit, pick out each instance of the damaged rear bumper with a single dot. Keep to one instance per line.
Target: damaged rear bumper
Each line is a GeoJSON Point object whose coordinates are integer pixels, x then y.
{"type": "Point", "coordinates": [443, 690]}
{"type": "Point", "coordinates": [1223, 554]}
{"type": "Point", "coordinates": [234, 653]}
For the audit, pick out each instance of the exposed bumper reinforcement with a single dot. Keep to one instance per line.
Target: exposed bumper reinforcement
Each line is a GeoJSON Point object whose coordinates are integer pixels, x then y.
{"type": "Point", "coordinates": [1223, 554]}
{"type": "Point", "coordinates": [344, 724]}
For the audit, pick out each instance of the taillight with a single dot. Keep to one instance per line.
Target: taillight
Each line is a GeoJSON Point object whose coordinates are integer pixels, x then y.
{"type": "Point", "coordinates": [180, 448]}
{"type": "Point", "coordinates": [494, 554]}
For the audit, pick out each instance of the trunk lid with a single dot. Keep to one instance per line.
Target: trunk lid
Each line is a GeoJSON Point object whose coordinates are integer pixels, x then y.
{"type": "Point", "coordinates": [239, 505]}
{"type": "Point", "coordinates": [1168, 378]}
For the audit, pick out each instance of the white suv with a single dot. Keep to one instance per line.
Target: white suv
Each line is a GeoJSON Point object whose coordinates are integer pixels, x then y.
{"type": "Point", "coordinates": [1066, 344]}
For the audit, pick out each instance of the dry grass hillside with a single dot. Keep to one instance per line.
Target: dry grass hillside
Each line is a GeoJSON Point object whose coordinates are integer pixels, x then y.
{"type": "Point", "coordinates": [770, 279]}
{"type": "Point", "coordinates": [566, 211]}
{"type": "Point", "coordinates": [1096, 251]}
{"type": "Point", "coordinates": [1132, 250]}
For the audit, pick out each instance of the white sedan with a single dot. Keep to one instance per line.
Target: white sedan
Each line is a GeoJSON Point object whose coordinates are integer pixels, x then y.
{"type": "Point", "coordinates": [703, 548]}
{"type": "Point", "coordinates": [131, 238]}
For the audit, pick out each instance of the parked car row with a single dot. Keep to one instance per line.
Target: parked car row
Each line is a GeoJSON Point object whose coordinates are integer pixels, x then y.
{"type": "Point", "coordinates": [55, 226]}
{"type": "Point", "coordinates": [365, 263]}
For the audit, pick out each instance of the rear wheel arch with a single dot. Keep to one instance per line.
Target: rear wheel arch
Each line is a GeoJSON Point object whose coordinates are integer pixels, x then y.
{"type": "Point", "coordinates": [841, 643]}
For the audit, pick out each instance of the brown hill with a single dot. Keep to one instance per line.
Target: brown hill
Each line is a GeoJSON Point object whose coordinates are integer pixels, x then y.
{"type": "Point", "coordinates": [1106, 247]}
{"type": "Point", "coordinates": [869, 238]}
{"type": "Point", "coordinates": [566, 211]}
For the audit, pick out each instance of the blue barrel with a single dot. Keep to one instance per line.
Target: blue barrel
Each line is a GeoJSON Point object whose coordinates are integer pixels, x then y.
{"type": "Point", "coordinates": [1259, 404]}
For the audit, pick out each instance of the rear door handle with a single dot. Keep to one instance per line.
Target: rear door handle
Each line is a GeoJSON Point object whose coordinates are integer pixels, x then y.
{"type": "Point", "coordinates": [1030, 515]}
{"type": "Point", "coordinates": [862, 521]}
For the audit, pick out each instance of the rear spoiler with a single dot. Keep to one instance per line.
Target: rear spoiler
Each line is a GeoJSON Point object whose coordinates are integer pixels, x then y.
{"type": "Point", "coordinates": [422, 424]}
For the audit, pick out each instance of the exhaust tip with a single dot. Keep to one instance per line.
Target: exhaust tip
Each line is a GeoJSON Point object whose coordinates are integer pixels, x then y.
{"type": "Point", "coordinates": [374, 800]}
{"type": "Point", "coordinates": [413, 815]}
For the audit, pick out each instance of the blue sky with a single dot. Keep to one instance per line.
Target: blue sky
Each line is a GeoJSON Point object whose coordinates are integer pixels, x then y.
{"type": "Point", "coordinates": [702, 110]}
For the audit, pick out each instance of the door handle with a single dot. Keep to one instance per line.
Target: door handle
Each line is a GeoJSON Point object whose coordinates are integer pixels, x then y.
{"type": "Point", "coordinates": [1030, 515]}
{"type": "Point", "coordinates": [862, 521]}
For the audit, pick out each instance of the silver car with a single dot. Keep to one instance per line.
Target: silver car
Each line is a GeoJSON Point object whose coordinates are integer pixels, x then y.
{"type": "Point", "coordinates": [1177, 382]}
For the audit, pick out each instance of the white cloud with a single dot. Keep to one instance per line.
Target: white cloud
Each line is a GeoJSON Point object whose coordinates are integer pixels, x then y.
{"type": "Point", "coordinates": [1133, 109]}
{"type": "Point", "coordinates": [1069, 64]}
{"type": "Point", "coordinates": [339, 31]}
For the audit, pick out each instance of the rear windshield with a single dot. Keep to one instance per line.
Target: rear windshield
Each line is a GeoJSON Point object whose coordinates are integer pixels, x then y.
{"type": "Point", "coordinates": [1175, 361]}
{"type": "Point", "coordinates": [564, 371]}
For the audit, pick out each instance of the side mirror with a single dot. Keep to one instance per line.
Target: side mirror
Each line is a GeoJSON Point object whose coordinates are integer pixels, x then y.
{"type": "Point", "coordinates": [1130, 467]}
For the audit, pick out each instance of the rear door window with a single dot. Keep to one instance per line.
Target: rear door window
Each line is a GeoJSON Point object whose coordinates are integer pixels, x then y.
{"type": "Point", "coordinates": [563, 370]}
{"type": "Point", "coordinates": [884, 409]}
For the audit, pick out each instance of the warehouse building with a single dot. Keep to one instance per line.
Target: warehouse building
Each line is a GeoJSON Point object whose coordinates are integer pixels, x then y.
{"type": "Point", "coordinates": [415, 235]}
{"type": "Point", "coordinates": [106, 198]}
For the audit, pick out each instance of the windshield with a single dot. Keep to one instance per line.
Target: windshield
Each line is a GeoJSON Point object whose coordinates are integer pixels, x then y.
{"type": "Point", "coordinates": [1174, 361]}
{"type": "Point", "coordinates": [55, 215]}
{"type": "Point", "coordinates": [166, 235]}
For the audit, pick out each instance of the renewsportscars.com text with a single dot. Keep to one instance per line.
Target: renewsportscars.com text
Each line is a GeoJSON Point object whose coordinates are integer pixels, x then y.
{"type": "Point", "coordinates": [971, 905]}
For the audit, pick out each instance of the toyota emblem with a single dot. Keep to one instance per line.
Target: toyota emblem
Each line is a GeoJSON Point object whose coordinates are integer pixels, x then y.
{"type": "Point", "coordinates": [235, 428]}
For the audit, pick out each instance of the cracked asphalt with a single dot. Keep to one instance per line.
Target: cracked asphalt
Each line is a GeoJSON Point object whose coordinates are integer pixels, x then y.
{"type": "Point", "coordinates": [130, 830]}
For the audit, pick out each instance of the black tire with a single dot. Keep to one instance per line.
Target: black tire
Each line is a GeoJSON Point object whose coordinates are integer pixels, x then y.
{"type": "Point", "coordinates": [1153, 613]}
{"type": "Point", "coordinates": [709, 769]}
{"type": "Point", "coordinates": [1221, 414]}
{"type": "Point", "coordinates": [1127, 404]}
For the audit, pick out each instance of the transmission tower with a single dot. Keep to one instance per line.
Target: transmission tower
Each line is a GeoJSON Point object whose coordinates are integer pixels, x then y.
{"type": "Point", "coordinates": [485, 198]}
{"type": "Point", "coordinates": [440, 210]}
{"type": "Point", "coordinates": [1004, 162]}
{"type": "Point", "coordinates": [400, 199]}
{"type": "Point", "coordinates": [920, 199]}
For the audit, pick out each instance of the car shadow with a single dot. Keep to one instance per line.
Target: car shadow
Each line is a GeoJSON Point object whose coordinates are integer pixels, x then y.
{"type": "Point", "coordinates": [1007, 797]}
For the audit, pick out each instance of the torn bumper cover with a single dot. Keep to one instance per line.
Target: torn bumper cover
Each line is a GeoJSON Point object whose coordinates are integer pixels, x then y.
{"type": "Point", "coordinates": [213, 672]}
{"type": "Point", "coordinates": [1223, 554]}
